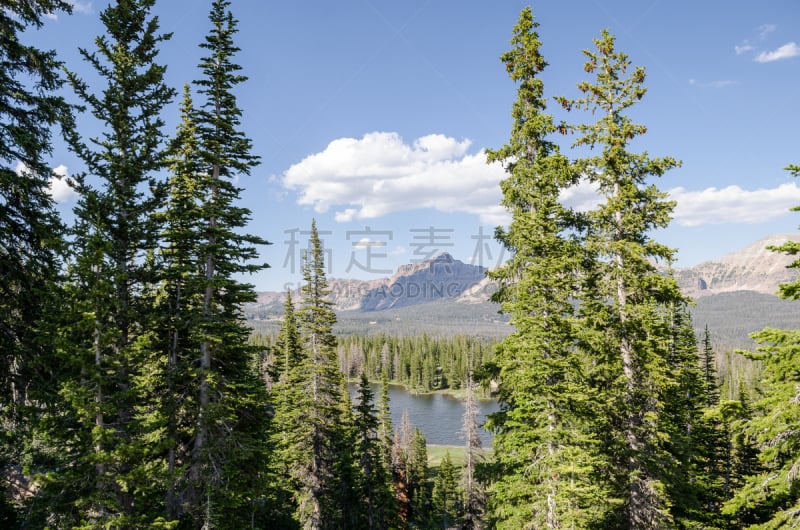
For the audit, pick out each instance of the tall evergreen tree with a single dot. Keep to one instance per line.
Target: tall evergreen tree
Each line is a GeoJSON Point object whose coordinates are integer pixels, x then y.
{"type": "Point", "coordinates": [112, 278]}
{"type": "Point", "coordinates": [417, 473]}
{"type": "Point", "coordinates": [346, 469]}
{"type": "Point", "coordinates": [684, 421]}
{"type": "Point", "coordinates": [623, 293]}
{"type": "Point", "coordinates": [385, 422]}
{"type": "Point", "coordinates": [708, 363]}
{"type": "Point", "coordinates": [446, 494]}
{"type": "Point", "coordinates": [375, 493]}
{"type": "Point", "coordinates": [228, 438]}
{"type": "Point", "coordinates": [284, 432]}
{"type": "Point", "coordinates": [289, 348]}
{"type": "Point", "coordinates": [542, 476]}
{"type": "Point", "coordinates": [310, 447]}
{"type": "Point", "coordinates": [165, 388]}
{"type": "Point", "coordinates": [713, 440]}
{"type": "Point", "coordinates": [31, 233]}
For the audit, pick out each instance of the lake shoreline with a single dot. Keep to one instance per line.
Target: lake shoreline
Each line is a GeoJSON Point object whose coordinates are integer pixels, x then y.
{"type": "Point", "coordinates": [458, 393]}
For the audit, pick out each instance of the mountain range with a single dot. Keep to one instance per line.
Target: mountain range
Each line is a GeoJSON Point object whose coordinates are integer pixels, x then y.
{"type": "Point", "coordinates": [735, 295]}
{"type": "Point", "coordinates": [753, 268]}
{"type": "Point", "coordinates": [440, 278]}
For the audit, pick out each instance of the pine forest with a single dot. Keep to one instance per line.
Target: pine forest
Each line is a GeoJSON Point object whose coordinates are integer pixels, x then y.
{"type": "Point", "coordinates": [136, 394]}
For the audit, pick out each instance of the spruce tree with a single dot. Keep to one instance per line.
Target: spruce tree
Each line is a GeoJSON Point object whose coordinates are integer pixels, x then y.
{"type": "Point", "coordinates": [289, 350]}
{"type": "Point", "coordinates": [713, 439]}
{"type": "Point", "coordinates": [708, 363]}
{"type": "Point", "coordinates": [112, 277]}
{"type": "Point", "coordinates": [308, 431]}
{"type": "Point", "coordinates": [385, 422]}
{"type": "Point", "coordinates": [165, 386]}
{"type": "Point", "coordinates": [418, 478]}
{"type": "Point", "coordinates": [284, 433]}
{"type": "Point", "coordinates": [375, 493]}
{"type": "Point", "coordinates": [542, 475]}
{"type": "Point", "coordinates": [684, 421]}
{"type": "Point", "coordinates": [346, 469]}
{"type": "Point", "coordinates": [446, 495]}
{"type": "Point", "coordinates": [623, 293]}
{"type": "Point", "coordinates": [31, 233]}
{"type": "Point", "coordinates": [229, 420]}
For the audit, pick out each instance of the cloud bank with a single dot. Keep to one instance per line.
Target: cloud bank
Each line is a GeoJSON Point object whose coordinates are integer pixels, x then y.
{"type": "Point", "coordinates": [380, 174]}
{"type": "Point", "coordinates": [733, 204]}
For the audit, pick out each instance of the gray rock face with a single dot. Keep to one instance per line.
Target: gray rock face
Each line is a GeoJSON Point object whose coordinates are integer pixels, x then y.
{"type": "Point", "coordinates": [442, 277]}
{"type": "Point", "coordinates": [754, 268]}
{"type": "Point", "coordinates": [435, 279]}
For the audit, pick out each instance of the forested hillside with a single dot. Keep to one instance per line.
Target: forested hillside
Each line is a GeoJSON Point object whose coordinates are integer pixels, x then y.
{"type": "Point", "coordinates": [136, 394]}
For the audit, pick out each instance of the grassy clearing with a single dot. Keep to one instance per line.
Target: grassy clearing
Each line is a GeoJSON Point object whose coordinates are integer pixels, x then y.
{"type": "Point", "coordinates": [436, 454]}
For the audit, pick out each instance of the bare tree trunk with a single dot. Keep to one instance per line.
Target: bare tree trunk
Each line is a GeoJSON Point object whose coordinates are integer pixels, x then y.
{"type": "Point", "coordinates": [204, 392]}
{"type": "Point", "coordinates": [473, 492]}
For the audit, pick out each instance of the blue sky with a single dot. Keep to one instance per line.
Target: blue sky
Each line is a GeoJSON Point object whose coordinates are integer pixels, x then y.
{"type": "Point", "coordinates": [372, 117]}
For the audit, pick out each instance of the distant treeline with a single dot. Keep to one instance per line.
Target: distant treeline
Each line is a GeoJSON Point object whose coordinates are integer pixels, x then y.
{"type": "Point", "coordinates": [422, 363]}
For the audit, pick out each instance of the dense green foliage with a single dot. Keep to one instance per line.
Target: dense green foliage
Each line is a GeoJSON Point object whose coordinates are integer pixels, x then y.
{"type": "Point", "coordinates": [134, 395]}
{"type": "Point", "coordinates": [110, 330]}
{"type": "Point", "coordinates": [31, 236]}
{"type": "Point", "coordinates": [421, 363]}
{"type": "Point", "coordinates": [543, 475]}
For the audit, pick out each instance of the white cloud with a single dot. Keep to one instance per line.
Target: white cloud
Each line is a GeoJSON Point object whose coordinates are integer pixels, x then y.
{"type": "Point", "coordinates": [582, 197]}
{"type": "Point", "coordinates": [398, 251]}
{"type": "Point", "coordinates": [58, 187]}
{"type": "Point", "coordinates": [722, 83]}
{"type": "Point", "coordinates": [766, 29]}
{"type": "Point", "coordinates": [733, 204]}
{"type": "Point", "coordinates": [380, 174]}
{"type": "Point", "coordinates": [719, 83]}
{"type": "Point", "coordinates": [346, 215]}
{"type": "Point", "coordinates": [786, 51]}
{"type": "Point", "coordinates": [84, 8]}
{"type": "Point", "coordinates": [366, 242]}
{"type": "Point", "coordinates": [744, 48]}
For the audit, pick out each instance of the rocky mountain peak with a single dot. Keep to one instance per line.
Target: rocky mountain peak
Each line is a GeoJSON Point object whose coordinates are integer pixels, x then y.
{"type": "Point", "coordinates": [753, 268]}
{"type": "Point", "coordinates": [436, 278]}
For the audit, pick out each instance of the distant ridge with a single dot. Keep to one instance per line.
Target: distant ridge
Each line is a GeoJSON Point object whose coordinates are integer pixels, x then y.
{"type": "Point", "coordinates": [440, 278]}
{"type": "Point", "coordinates": [753, 268]}
{"type": "Point", "coordinates": [444, 296]}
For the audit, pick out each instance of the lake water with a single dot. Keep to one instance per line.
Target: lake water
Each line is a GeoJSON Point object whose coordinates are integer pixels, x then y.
{"type": "Point", "coordinates": [439, 416]}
